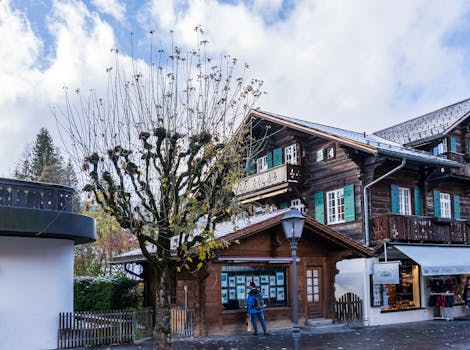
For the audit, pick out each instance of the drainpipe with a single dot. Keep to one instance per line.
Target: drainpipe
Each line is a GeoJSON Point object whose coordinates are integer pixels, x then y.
{"type": "Point", "coordinates": [366, 201]}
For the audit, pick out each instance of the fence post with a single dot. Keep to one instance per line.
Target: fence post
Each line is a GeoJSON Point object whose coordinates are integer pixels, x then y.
{"type": "Point", "coordinates": [134, 325]}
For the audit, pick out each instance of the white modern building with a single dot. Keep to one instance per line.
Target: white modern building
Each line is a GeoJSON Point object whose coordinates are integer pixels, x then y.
{"type": "Point", "coordinates": [38, 231]}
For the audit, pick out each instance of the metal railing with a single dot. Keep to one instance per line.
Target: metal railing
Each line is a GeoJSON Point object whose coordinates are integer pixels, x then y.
{"type": "Point", "coordinates": [27, 194]}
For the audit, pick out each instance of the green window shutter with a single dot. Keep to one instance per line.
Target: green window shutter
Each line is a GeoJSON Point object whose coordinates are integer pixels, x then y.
{"type": "Point", "coordinates": [269, 158]}
{"type": "Point", "coordinates": [319, 208]}
{"type": "Point", "coordinates": [418, 204]}
{"type": "Point", "coordinates": [437, 203]}
{"type": "Point", "coordinates": [277, 156]}
{"type": "Point", "coordinates": [349, 203]}
{"type": "Point", "coordinates": [251, 167]}
{"type": "Point", "coordinates": [283, 205]}
{"type": "Point", "coordinates": [395, 204]}
{"type": "Point", "coordinates": [456, 206]}
{"type": "Point", "coordinates": [453, 144]}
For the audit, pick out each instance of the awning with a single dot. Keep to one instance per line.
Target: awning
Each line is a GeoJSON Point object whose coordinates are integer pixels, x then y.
{"type": "Point", "coordinates": [438, 260]}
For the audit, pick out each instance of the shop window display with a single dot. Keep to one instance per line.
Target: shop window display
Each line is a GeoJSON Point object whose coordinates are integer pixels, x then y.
{"type": "Point", "coordinates": [402, 296]}
{"type": "Point", "coordinates": [271, 281]}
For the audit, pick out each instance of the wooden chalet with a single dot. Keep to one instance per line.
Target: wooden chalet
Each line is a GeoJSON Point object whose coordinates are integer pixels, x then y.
{"type": "Point", "coordinates": [402, 191]}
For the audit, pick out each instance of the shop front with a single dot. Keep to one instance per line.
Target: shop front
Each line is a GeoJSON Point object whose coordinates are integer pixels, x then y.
{"type": "Point", "coordinates": [425, 282]}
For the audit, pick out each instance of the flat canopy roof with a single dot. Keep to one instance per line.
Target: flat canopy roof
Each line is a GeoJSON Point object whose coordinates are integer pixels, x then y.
{"type": "Point", "coordinates": [438, 260]}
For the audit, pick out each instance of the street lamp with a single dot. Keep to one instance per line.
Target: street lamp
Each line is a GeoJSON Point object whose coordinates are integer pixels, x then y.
{"type": "Point", "coordinates": [292, 225]}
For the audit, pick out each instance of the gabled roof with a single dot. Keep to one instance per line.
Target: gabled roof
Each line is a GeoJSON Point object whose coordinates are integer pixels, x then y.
{"type": "Point", "coordinates": [244, 227]}
{"type": "Point", "coordinates": [368, 143]}
{"type": "Point", "coordinates": [428, 127]}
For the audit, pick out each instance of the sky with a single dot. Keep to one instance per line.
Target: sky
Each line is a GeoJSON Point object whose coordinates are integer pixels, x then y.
{"type": "Point", "coordinates": [361, 65]}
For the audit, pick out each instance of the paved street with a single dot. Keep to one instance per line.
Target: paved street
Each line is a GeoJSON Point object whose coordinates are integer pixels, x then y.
{"type": "Point", "coordinates": [417, 336]}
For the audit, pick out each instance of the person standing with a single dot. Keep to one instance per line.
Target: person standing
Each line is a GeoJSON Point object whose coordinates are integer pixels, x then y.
{"type": "Point", "coordinates": [255, 308]}
{"type": "Point", "coordinates": [466, 293]}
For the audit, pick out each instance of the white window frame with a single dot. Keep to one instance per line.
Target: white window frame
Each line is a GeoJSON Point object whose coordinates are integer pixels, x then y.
{"type": "Point", "coordinates": [262, 164]}
{"type": "Point", "coordinates": [290, 154]}
{"type": "Point", "coordinates": [319, 155]}
{"type": "Point", "coordinates": [330, 152]}
{"type": "Point", "coordinates": [442, 147]}
{"type": "Point", "coordinates": [335, 206]}
{"type": "Point", "coordinates": [404, 200]}
{"type": "Point", "coordinates": [297, 204]}
{"type": "Point", "coordinates": [445, 201]}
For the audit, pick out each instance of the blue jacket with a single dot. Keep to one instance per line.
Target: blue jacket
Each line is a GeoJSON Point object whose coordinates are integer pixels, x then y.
{"type": "Point", "coordinates": [251, 300]}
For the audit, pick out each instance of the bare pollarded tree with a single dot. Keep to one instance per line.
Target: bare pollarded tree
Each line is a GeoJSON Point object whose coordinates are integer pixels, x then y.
{"type": "Point", "coordinates": [162, 150]}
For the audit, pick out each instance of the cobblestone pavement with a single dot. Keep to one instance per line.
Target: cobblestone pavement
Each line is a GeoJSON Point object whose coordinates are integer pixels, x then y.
{"type": "Point", "coordinates": [411, 336]}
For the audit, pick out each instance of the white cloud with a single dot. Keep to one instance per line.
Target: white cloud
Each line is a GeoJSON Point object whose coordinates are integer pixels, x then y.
{"type": "Point", "coordinates": [82, 54]}
{"type": "Point", "coordinates": [360, 65]}
{"type": "Point", "coordinates": [111, 7]}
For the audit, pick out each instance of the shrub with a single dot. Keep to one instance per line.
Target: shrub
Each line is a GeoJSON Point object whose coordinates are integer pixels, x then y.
{"type": "Point", "coordinates": [103, 293]}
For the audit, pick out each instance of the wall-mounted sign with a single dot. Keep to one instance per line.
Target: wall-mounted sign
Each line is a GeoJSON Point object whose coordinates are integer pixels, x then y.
{"type": "Point", "coordinates": [387, 272]}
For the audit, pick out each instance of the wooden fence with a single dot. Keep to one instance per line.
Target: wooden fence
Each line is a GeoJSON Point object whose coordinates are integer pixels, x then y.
{"type": "Point", "coordinates": [348, 309]}
{"type": "Point", "coordinates": [91, 328]}
{"type": "Point", "coordinates": [181, 321]}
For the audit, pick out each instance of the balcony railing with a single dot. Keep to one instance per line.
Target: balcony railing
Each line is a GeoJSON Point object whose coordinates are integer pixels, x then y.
{"type": "Point", "coordinates": [281, 174]}
{"type": "Point", "coordinates": [26, 194]}
{"type": "Point", "coordinates": [419, 229]}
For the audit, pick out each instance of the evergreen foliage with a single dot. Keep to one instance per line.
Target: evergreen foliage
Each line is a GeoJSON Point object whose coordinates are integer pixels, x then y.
{"type": "Point", "coordinates": [103, 293]}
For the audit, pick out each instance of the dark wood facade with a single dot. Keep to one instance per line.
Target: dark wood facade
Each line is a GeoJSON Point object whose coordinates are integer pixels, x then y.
{"type": "Point", "coordinates": [349, 165]}
{"type": "Point", "coordinates": [319, 248]}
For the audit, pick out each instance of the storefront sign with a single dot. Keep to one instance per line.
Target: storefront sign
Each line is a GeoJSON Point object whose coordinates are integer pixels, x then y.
{"type": "Point", "coordinates": [387, 272]}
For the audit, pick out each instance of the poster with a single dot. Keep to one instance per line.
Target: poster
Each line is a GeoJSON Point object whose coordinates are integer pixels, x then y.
{"type": "Point", "coordinates": [280, 294]}
{"type": "Point", "coordinates": [265, 291]}
{"type": "Point", "coordinates": [249, 279]}
{"type": "Point", "coordinates": [272, 293]}
{"type": "Point", "coordinates": [265, 279]}
{"type": "Point", "coordinates": [231, 281]}
{"type": "Point", "coordinates": [241, 279]}
{"type": "Point", "coordinates": [256, 280]}
{"type": "Point", "coordinates": [280, 278]}
{"type": "Point", "coordinates": [224, 296]}
{"type": "Point", "coordinates": [223, 280]}
{"type": "Point", "coordinates": [240, 292]}
{"type": "Point", "coordinates": [272, 280]}
{"type": "Point", "coordinates": [231, 294]}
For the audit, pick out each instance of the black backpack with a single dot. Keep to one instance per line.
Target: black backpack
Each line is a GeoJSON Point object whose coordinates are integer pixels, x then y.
{"type": "Point", "coordinates": [258, 302]}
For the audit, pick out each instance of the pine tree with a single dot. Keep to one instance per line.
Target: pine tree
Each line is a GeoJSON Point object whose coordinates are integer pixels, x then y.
{"type": "Point", "coordinates": [44, 156]}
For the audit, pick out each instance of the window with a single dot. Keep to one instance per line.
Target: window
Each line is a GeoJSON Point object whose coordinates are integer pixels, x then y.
{"type": "Point", "coordinates": [290, 154]}
{"type": "Point", "coordinates": [270, 281]}
{"type": "Point", "coordinates": [404, 200]}
{"type": "Point", "coordinates": [330, 152]}
{"type": "Point", "coordinates": [402, 296]}
{"type": "Point", "coordinates": [319, 156]}
{"type": "Point", "coordinates": [335, 206]}
{"type": "Point", "coordinates": [262, 164]}
{"type": "Point", "coordinates": [297, 204]}
{"type": "Point", "coordinates": [441, 148]}
{"type": "Point", "coordinates": [445, 205]}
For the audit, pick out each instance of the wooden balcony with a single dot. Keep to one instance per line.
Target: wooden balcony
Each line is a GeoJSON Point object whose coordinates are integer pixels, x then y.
{"type": "Point", "coordinates": [411, 228]}
{"type": "Point", "coordinates": [272, 180]}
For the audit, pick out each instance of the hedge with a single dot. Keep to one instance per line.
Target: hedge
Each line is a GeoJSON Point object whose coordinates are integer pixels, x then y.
{"type": "Point", "coordinates": [103, 293]}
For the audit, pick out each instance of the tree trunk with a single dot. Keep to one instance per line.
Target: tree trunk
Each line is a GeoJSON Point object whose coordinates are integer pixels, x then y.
{"type": "Point", "coordinates": [162, 330]}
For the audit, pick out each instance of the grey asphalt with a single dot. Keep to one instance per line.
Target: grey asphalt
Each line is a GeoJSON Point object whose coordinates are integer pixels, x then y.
{"type": "Point", "coordinates": [424, 335]}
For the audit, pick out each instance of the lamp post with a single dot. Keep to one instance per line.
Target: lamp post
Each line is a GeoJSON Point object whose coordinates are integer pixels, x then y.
{"type": "Point", "coordinates": [292, 225]}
